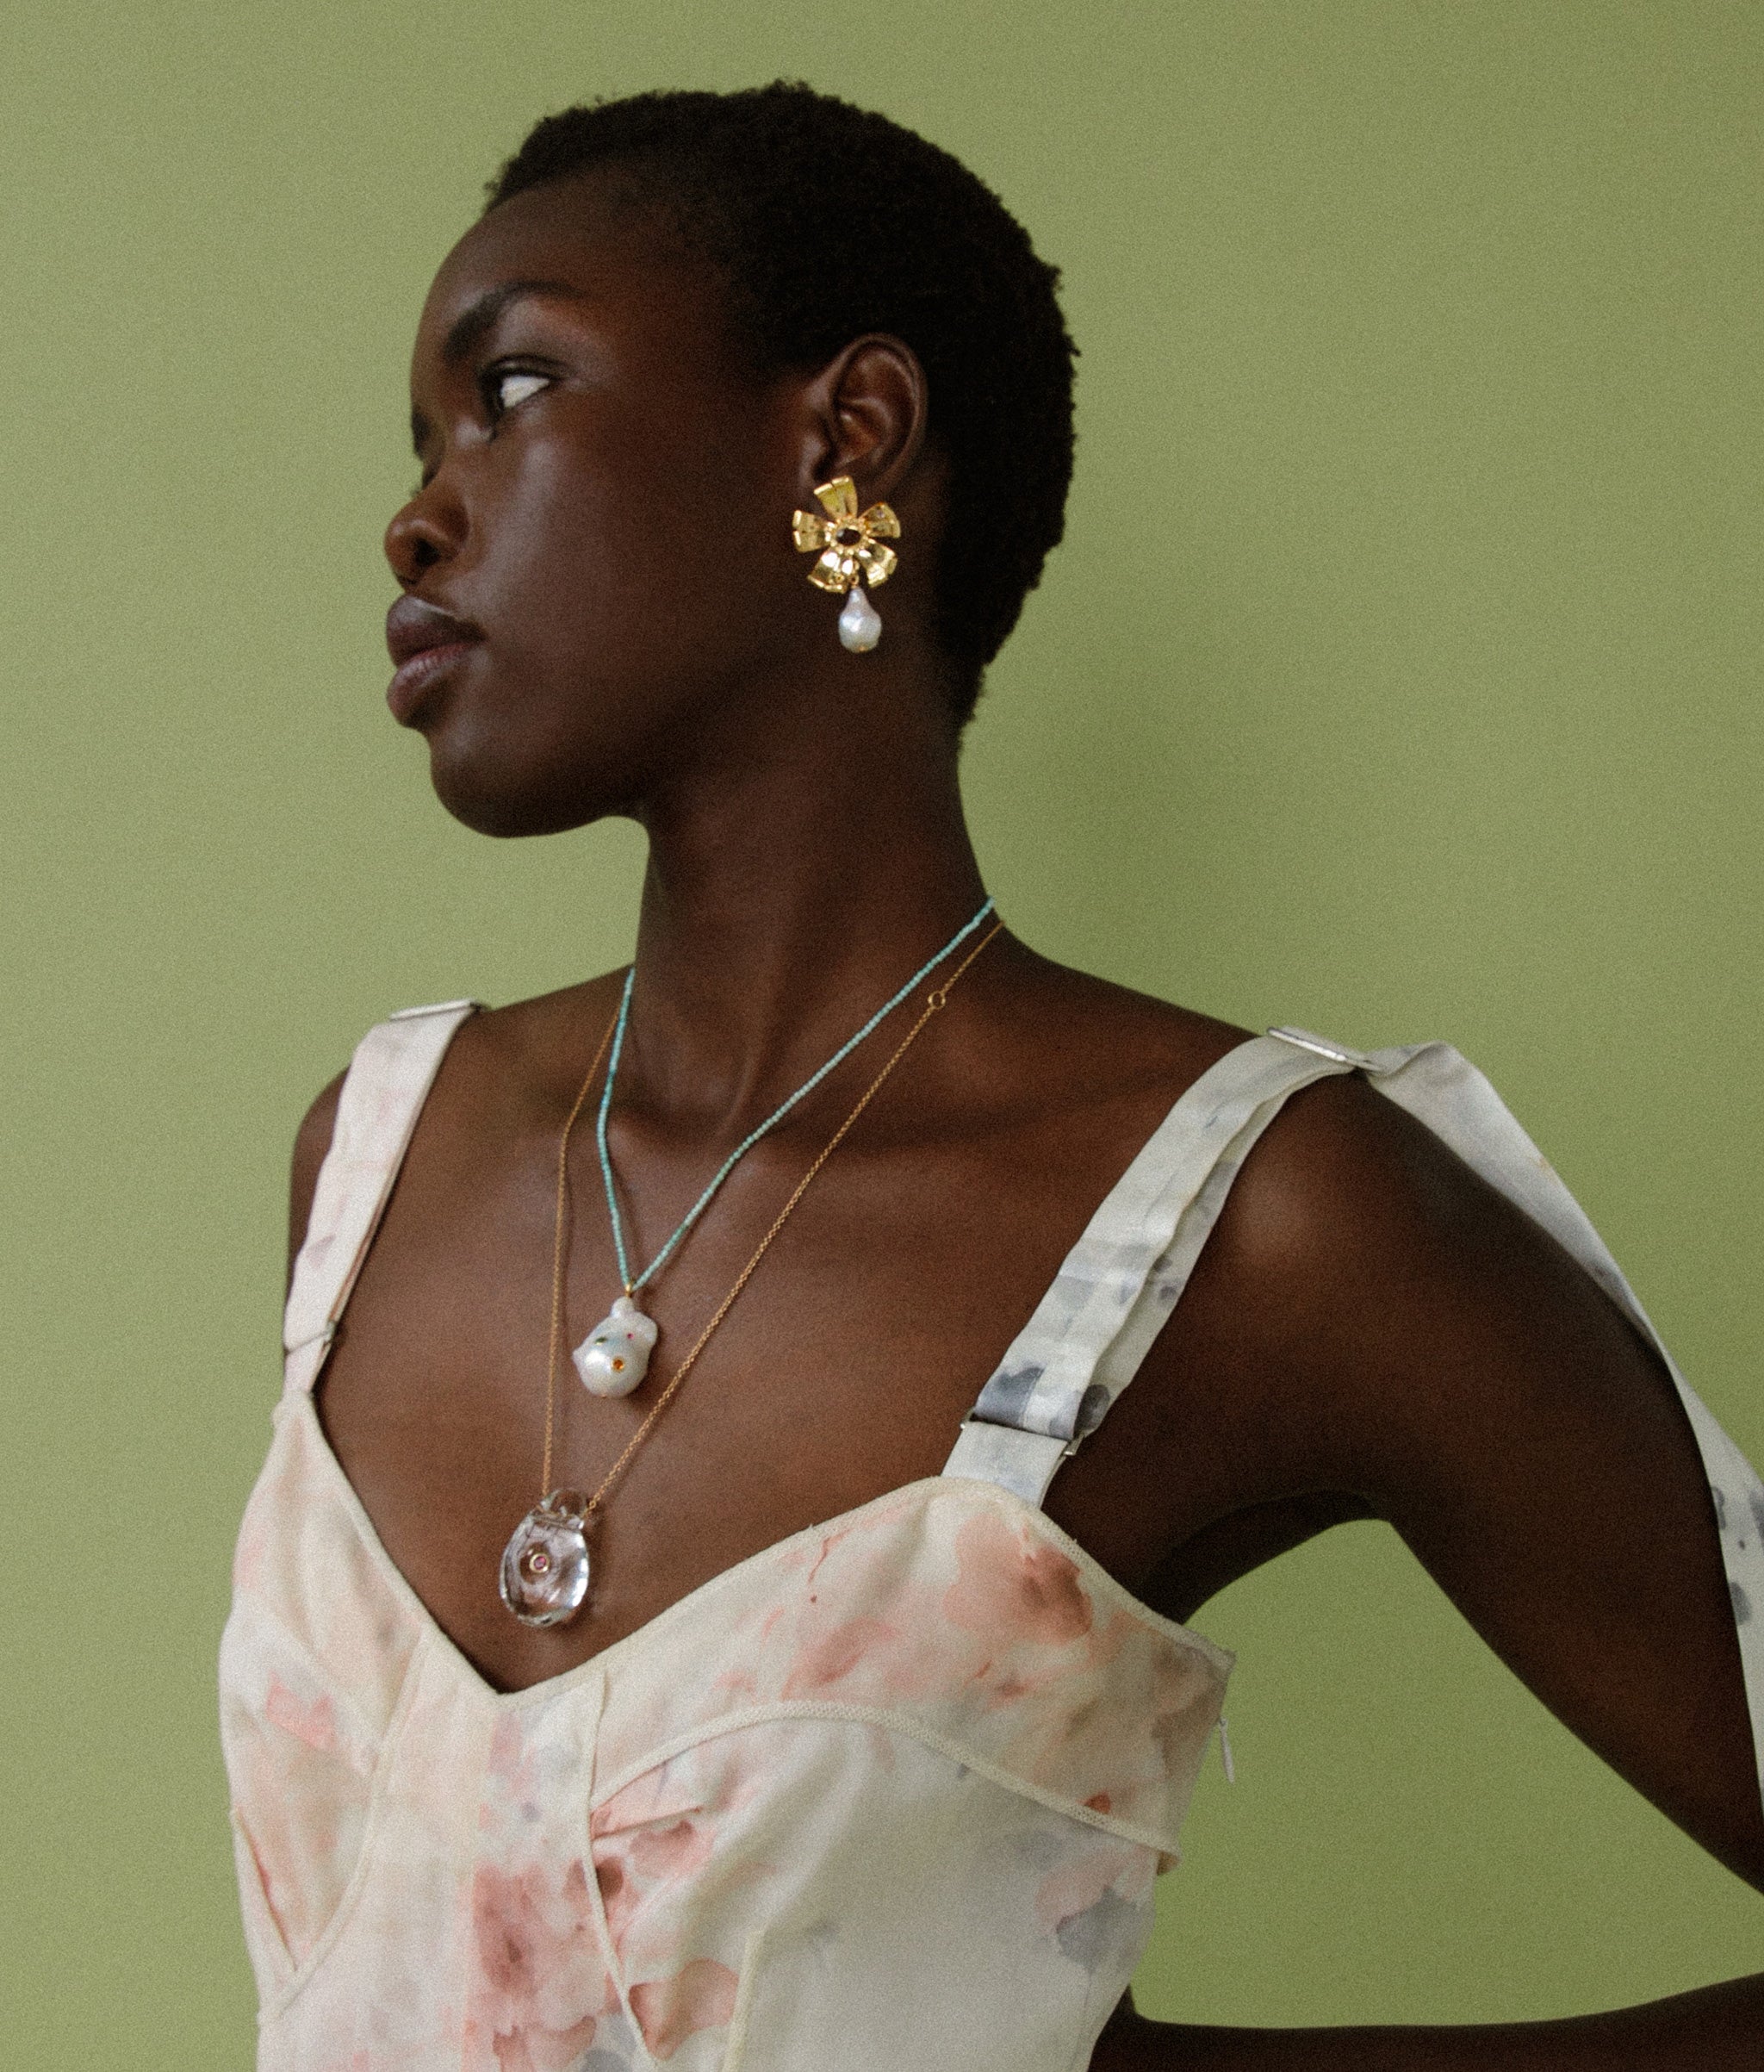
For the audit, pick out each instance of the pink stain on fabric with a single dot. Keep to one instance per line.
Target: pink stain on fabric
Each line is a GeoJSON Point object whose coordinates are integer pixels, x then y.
{"type": "Point", "coordinates": [297, 1943]}
{"type": "Point", "coordinates": [700, 1995]}
{"type": "Point", "coordinates": [507, 1924]}
{"type": "Point", "coordinates": [535, 1958]}
{"type": "Point", "coordinates": [656, 1795]}
{"type": "Point", "coordinates": [833, 1658]}
{"type": "Point", "coordinates": [314, 1724]}
{"type": "Point", "coordinates": [640, 1864]}
{"type": "Point", "coordinates": [1009, 1588]}
{"type": "Point", "coordinates": [619, 1899]}
{"type": "Point", "coordinates": [660, 1854]}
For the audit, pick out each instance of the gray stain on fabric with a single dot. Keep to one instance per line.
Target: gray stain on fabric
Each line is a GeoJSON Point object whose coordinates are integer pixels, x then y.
{"type": "Point", "coordinates": [615, 2046]}
{"type": "Point", "coordinates": [1742, 1604]}
{"type": "Point", "coordinates": [821, 1938]}
{"type": "Point", "coordinates": [1006, 1397]}
{"type": "Point", "coordinates": [1039, 1847]}
{"type": "Point", "coordinates": [1101, 1931]}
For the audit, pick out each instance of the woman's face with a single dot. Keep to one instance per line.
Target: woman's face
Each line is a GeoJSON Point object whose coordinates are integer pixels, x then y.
{"type": "Point", "coordinates": [605, 507]}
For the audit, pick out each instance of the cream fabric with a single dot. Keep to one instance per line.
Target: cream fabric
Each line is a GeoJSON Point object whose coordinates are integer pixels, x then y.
{"type": "Point", "coordinates": [889, 1793]}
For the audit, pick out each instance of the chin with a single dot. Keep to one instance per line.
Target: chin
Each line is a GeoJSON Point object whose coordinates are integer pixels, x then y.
{"type": "Point", "coordinates": [534, 759]}
{"type": "Point", "coordinates": [496, 796]}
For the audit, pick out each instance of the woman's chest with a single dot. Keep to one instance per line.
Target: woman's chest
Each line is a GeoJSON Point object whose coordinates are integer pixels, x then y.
{"type": "Point", "coordinates": [842, 1368]}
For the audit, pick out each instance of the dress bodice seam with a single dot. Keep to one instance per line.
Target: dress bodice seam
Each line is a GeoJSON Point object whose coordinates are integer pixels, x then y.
{"type": "Point", "coordinates": [1096, 1579]}
{"type": "Point", "coordinates": [890, 1719]}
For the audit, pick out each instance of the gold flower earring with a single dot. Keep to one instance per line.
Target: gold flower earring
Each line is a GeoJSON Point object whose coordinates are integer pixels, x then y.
{"type": "Point", "coordinates": [851, 554]}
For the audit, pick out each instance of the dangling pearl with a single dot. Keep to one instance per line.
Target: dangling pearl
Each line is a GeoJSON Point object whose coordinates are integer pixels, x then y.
{"type": "Point", "coordinates": [614, 1357]}
{"type": "Point", "coordinates": [859, 623]}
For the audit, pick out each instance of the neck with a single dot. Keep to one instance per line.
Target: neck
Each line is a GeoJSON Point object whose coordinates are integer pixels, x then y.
{"type": "Point", "coordinates": [787, 898]}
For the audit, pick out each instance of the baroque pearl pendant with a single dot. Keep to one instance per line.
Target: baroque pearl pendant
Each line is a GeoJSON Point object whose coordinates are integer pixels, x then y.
{"type": "Point", "coordinates": [614, 1357]}
{"type": "Point", "coordinates": [859, 623]}
{"type": "Point", "coordinates": [545, 1579]}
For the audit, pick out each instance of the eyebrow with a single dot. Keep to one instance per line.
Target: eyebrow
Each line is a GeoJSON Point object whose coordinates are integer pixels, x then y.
{"type": "Point", "coordinates": [471, 326]}
{"type": "Point", "coordinates": [476, 321]}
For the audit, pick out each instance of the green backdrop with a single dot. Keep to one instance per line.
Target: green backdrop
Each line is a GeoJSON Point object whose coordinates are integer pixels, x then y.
{"type": "Point", "coordinates": [1400, 677]}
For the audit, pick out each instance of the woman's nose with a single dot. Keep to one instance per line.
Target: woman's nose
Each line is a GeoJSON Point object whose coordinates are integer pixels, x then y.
{"type": "Point", "coordinates": [428, 530]}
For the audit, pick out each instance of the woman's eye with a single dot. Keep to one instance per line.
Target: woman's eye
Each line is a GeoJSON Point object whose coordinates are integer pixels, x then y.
{"type": "Point", "coordinates": [508, 389]}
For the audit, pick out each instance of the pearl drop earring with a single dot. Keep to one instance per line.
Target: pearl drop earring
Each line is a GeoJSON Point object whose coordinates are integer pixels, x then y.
{"type": "Point", "coordinates": [849, 544]}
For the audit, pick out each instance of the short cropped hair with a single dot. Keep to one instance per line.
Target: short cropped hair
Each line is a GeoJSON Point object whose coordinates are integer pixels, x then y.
{"type": "Point", "coordinates": [828, 221]}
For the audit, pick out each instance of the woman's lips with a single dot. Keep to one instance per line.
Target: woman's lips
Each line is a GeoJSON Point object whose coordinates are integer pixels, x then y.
{"type": "Point", "coordinates": [413, 679]}
{"type": "Point", "coordinates": [424, 640]}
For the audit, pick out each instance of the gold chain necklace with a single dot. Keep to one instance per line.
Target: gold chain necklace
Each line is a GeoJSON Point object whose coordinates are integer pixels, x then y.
{"type": "Point", "coordinates": [545, 1567]}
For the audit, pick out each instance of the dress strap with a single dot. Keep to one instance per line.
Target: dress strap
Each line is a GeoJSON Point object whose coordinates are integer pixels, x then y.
{"type": "Point", "coordinates": [388, 1079]}
{"type": "Point", "coordinates": [1122, 1279]}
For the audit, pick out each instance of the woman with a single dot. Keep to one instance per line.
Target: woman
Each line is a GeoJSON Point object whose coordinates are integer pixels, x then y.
{"type": "Point", "coordinates": [813, 1698]}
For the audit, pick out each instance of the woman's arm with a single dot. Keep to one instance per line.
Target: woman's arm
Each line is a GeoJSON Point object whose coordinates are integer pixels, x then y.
{"type": "Point", "coordinates": [1719, 2029]}
{"type": "Point", "coordinates": [1444, 1364]}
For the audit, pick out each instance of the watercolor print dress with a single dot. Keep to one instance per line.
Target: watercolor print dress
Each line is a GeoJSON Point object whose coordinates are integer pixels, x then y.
{"type": "Point", "coordinates": [888, 1796]}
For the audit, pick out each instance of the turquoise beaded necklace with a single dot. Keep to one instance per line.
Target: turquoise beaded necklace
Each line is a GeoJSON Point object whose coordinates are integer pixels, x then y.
{"type": "Point", "coordinates": [614, 1357]}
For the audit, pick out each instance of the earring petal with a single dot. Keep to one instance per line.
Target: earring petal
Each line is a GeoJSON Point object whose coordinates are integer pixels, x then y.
{"type": "Point", "coordinates": [839, 499]}
{"type": "Point", "coordinates": [810, 531]}
{"type": "Point", "coordinates": [881, 520]}
{"type": "Point", "coordinates": [835, 571]}
{"type": "Point", "coordinates": [876, 562]}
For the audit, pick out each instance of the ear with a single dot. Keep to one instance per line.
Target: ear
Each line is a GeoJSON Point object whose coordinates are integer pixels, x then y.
{"type": "Point", "coordinates": [864, 414]}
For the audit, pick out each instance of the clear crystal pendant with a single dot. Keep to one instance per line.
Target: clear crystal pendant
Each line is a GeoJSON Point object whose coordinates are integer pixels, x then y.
{"type": "Point", "coordinates": [859, 623]}
{"type": "Point", "coordinates": [544, 1579]}
{"type": "Point", "coordinates": [614, 1357]}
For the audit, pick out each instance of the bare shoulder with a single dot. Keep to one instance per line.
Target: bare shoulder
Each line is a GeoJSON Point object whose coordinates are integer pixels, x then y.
{"type": "Point", "coordinates": [1367, 1254]}
{"type": "Point", "coordinates": [1345, 1175]}
{"type": "Point", "coordinates": [1374, 1322]}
